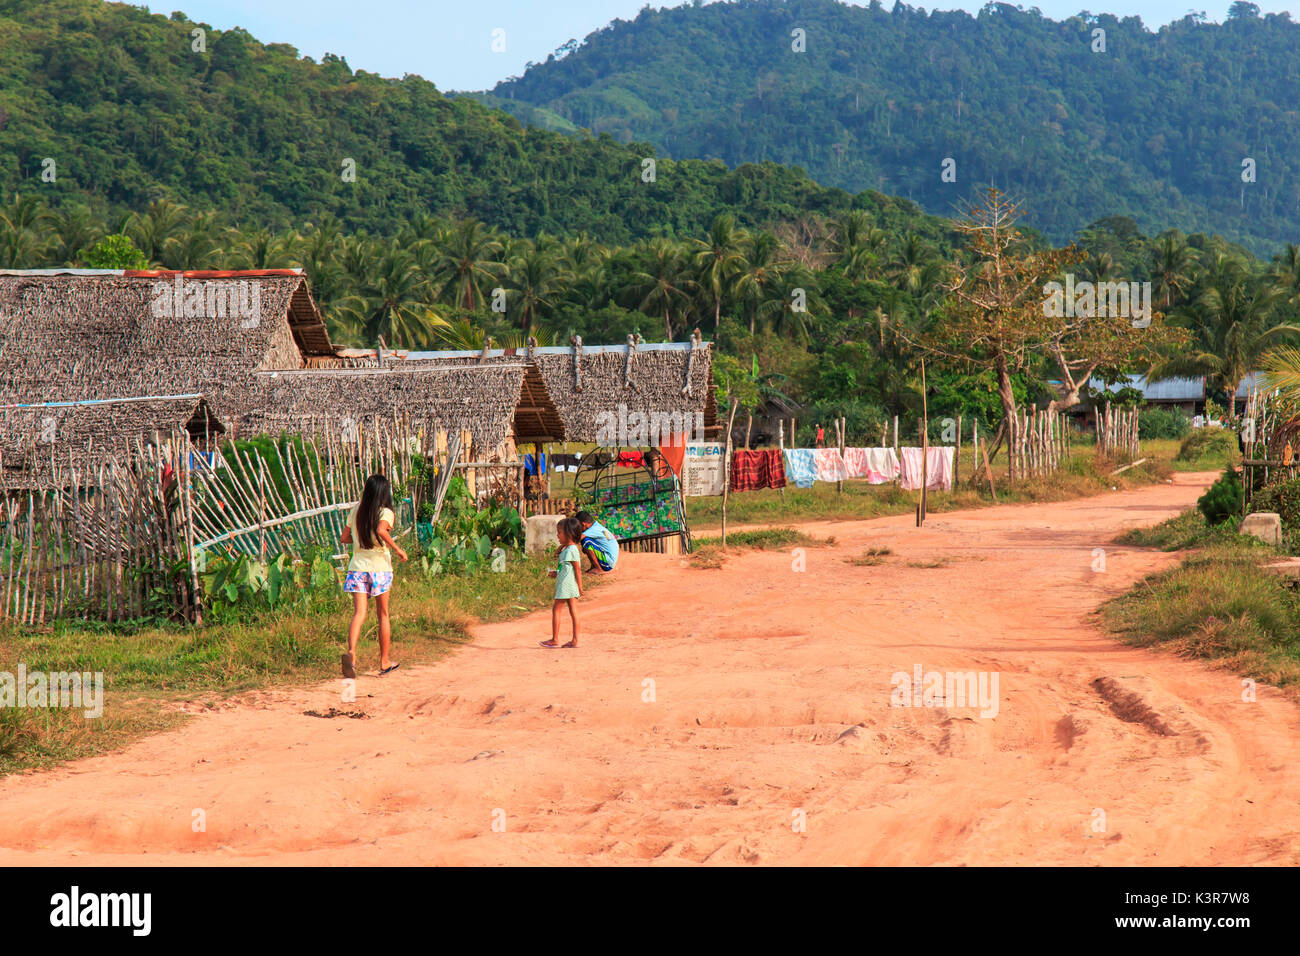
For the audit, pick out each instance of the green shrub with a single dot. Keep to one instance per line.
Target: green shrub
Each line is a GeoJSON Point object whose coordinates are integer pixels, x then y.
{"type": "Point", "coordinates": [1282, 497]}
{"type": "Point", "coordinates": [1163, 423]}
{"type": "Point", "coordinates": [1224, 498]}
{"type": "Point", "coordinates": [1205, 444]}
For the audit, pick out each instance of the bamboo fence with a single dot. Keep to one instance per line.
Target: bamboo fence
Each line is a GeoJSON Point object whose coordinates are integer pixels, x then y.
{"type": "Point", "coordinates": [1039, 443]}
{"type": "Point", "coordinates": [128, 537]}
{"type": "Point", "coordinates": [1117, 431]}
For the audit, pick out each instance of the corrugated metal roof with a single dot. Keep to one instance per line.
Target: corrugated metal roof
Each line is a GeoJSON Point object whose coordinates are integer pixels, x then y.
{"type": "Point", "coordinates": [1163, 390]}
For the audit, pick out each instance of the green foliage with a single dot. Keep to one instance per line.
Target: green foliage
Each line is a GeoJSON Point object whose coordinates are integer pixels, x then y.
{"type": "Point", "coordinates": [1223, 500]}
{"type": "Point", "coordinates": [876, 97]}
{"type": "Point", "coordinates": [1163, 423]}
{"type": "Point", "coordinates": [1283, 498]}
{"type": "Point", "coordinates": [116, 252]}
{"type": "Point", "coordinates": [238, 587]}
{"type": "Point", "coordinates": [1184, 531]}
{"type": "Point", "coordinates": [1210, 445]}
{"type": "Point", "coordinates": [264, 448]}
{"type": "Point", "coordinates": [465, 537]}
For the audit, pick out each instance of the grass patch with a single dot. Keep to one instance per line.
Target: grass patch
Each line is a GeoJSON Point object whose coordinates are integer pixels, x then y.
{"type": "Point", "coordinates": [871, 557]}
{"type": "Point", "coordinates": [1184, 532]}
{"type": "Point", "coordinates": [148, 671]}
{"type": "Point", "coordinates": [937, 563]}
{"type": "Point", "coordinates": [1219, 604]}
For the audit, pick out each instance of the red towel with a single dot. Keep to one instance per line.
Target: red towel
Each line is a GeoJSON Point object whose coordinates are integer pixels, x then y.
{"type": "Point", "coordinates": [752, 470]}
{"type": "Point", "coordinates": [631, 459]}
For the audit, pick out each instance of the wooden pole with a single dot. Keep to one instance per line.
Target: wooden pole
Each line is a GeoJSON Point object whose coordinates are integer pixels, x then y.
{"type": "Point", "coordinates": [925, 443]}
{"type": "Point", "coordinates": [956, 456]}
{"type": "Point", "coordinates": [726, 474]}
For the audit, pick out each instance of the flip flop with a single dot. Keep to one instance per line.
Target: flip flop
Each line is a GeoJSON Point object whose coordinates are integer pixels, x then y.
{"type": "Point", "coordinates": [570, 644]}
{"type": "Point", "coordinates": [349, 671]}
{"type": "Point", "coordinates": [389, 670]}
{"type": "Point", "coordinates": [549, 644]}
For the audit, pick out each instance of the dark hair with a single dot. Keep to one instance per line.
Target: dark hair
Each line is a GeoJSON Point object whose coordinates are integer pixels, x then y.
{"type": "Point", "coordinates": [377, 496]}
{"type": "Point", "coordinates": [585, 517]}
{"type": "Point", "coordinates": [572, 528]}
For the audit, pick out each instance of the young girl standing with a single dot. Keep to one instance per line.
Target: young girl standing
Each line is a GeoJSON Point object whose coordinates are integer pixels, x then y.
{"type": "Point", "coordinates": [568, 580]}
{"type": "Point", "coordinates": [370, 572]}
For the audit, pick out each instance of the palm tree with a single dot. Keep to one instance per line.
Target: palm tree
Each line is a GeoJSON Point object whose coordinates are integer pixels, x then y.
{"type": "Point", "coordinates": [196, 247]}
{"type": "Point", "coordinates": [156, 231]}
{"type": "Point", "coordinates": [1173, 262]}
{"type": "Point", "coordinates": [75, 229]}
{"type": "Point", "coordinates": [912, 265]}
{"type": "Point", "coordinates": [1233, 324]}
{"type": "Point", "coordinates": [398, 300]}
{"type": "Point", "coordinates": [664, 285]}
{"type": "Point", "coordinates": [758, 272]}
{"type": "Point", "coordinates": [467, 263]}
{"type": "Point", "coordinates": [262, 249]}
{"type": "Point", "coordinates": [718, 259]}
{"type": "Point", "coordinates": [792, 300]}
{"type": "Point", "coordinates": [22, 238]}
{"type": "Point", "coordinates": [534, 278]}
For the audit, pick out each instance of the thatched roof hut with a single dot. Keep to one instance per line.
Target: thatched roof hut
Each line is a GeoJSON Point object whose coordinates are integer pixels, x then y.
{"type": "Point", "coordinates": [70, 335]}
{"type": "Point", "coordinates": [491, 402]}
{"type": "Point", "coordinates": [41, 444]}
{"type": "Point", "coordinates": [592, 386]}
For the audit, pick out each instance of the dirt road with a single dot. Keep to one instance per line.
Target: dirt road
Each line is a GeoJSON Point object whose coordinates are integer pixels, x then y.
{"type": "Point", "coordinates": [758, 671]}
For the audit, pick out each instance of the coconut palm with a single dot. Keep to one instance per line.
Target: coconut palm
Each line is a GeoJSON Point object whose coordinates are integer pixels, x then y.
{"type": "Point", "coordinates": [758, 272]}
{"type": "Point", "coordinates": [196, 246]}
{"type": "Point", "coordinates": [1172, 266]}
{"type": "Point", "coordinates": [1233, 322]}
{"type": "Point", "coordinates": [74, 228]}
{"type": "Point", "coordinates": [468, 264]}
{"type": "Point", "coordinates": [664, 285]}
{"type": "Point", "coordinates": [23, 242]}
{"type": "Point", "coordinates": [718, 259]}
{"type": "Point", "coordinates": [156, 231]}
{"type": "Point", "coordinates": [395, 302]}
{"type": "Point", "coordinates": [533, 280]}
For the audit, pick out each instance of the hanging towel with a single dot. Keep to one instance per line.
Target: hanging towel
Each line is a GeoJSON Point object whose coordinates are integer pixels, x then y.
{"type": "Point", "coordinates": [830, 466]}
{"type": "Point", "coordinates": [882, 465]}
{"type": "Point", "coordinates": [752, 470]}
{"type": "Point", "coordinates": [855, 462]}
{"type": "Point", "coordinates": [800, 468]}
{"type": "Point", "coordinates": [631, 459]}
{"type": "Point", "coordinates": [938, 468]}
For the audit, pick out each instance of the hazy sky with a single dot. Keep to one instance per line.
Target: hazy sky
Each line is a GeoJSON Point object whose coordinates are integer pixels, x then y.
{"type": "Point", "coordinates": [449, 43]}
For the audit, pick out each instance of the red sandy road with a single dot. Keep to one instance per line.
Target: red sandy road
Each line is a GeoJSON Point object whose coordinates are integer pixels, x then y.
{"type": "Point", "coordinates": [758, 670]}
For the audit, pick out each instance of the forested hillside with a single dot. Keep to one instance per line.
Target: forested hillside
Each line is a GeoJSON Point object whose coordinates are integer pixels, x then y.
{"type": "Point", "coordinates": [1155, 127]}
{"type": "Point", "coordinates": [128, 111]}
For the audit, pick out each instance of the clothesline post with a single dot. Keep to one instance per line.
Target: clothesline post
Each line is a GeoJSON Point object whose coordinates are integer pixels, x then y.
{"type": "Point", "coordinates": [839, 434]}
{"type": "Point", "coordinates": [956, 457]}
{"type": "Point", "coordinates": [780, 438]}
{"type": "Point", "coordinates": [975, 448]}
{"type": "Point", "coordinates": [726, 475]}
{"type": "Point", "coordinates": [925, 448]}
{"type": "Point", "coordinates": [895, 434]}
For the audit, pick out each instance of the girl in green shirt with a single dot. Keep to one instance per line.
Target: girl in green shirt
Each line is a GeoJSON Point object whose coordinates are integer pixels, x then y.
{"type": "Point", "coordinates": [568, 580]}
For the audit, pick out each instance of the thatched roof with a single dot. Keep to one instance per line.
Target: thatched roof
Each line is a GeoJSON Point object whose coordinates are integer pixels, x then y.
{"type": "Point", "coordinates": [490, 402]}
{"type": "Point", "coordinates": [40, 443]}
{"type": "Point", "coordinates": [74, 335]}
{"type": "Point", "coordinates": [585, 382]}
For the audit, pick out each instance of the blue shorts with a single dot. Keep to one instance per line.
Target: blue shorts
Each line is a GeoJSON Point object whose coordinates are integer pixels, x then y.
{"type": "Point", "coordinates": [371, 583]}
{"type": "Point", "coordinates": [603, 559]}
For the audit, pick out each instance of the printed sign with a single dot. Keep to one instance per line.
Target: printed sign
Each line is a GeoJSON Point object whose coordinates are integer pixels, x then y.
{"type": "Point", "coordinates": [702, 469]}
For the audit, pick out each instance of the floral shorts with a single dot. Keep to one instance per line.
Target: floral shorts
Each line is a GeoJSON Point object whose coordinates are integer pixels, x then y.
{"type": "Point", "coordinates": [372, 583]}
